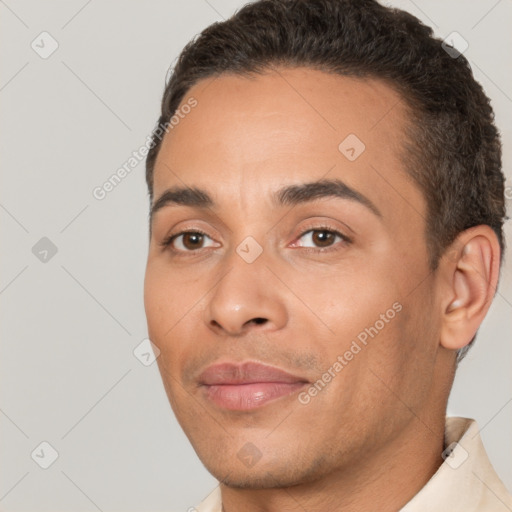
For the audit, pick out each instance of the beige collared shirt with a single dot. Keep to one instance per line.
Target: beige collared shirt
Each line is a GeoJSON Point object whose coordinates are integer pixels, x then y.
{"type": "Point", "coordinates": [465, 482]}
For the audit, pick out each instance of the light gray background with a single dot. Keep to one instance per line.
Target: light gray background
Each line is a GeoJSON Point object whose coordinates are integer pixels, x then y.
{"type": "Point", "coordinates": [70, 325]}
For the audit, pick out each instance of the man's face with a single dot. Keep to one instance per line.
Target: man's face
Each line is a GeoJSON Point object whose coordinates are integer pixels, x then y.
{"type": "Point", "coordinates": [331, 289]}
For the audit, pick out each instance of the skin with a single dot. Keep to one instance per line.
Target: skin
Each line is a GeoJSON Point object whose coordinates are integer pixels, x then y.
{"type": "Point", "coordinates": [374, 433]}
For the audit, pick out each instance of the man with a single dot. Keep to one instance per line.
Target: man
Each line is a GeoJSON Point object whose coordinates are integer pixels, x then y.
{"type": "Point", "coordinates": [326, 235]}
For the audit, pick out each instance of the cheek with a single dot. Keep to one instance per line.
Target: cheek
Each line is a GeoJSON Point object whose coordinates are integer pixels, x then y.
{"type": "Point", "coordinates": [173, 304]}
{"type": "Point", "coordinates": [400, 361]}
{"type": "Point", "coordinates": [372, 324]}
{"type": "Point", "coordinates": [155, 302]}
{"type": "Point", "coordinates": [344, 301]}
{"type": "Point", "coordinates": [166, 298]}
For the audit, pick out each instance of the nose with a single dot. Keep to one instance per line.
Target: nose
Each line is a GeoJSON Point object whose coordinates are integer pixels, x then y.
{"type": "Point", "coordinates": [247, 297]}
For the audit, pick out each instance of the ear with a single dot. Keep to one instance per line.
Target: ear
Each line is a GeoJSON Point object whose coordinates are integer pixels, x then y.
{"type": "Point", "coordinates": [470, 271]}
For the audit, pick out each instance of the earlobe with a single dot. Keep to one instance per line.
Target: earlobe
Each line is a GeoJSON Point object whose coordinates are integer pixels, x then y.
{"type": "Point", "coordinates": [472, 276]}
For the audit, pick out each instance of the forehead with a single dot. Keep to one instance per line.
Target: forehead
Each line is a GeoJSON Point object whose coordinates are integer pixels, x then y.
{"type": "Point", "coordinates": [287, 126]}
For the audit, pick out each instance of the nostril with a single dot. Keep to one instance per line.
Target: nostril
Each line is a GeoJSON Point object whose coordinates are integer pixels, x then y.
{"type": "Point", "coordinates": [259, 320]}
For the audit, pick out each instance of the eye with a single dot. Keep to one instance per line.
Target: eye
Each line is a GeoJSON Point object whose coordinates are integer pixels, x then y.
{"type": "Point", "coordinates": [323, 237]}
{"type": "Point", "coordinates": [185, 241]}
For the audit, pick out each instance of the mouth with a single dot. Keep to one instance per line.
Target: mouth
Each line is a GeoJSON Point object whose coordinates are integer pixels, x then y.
{"type": "Point", "coordinates": [243, 387]}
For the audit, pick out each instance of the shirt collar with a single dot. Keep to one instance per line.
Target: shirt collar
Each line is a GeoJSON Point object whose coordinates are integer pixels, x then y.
{"type": "Point", "coordinates": [466, 480]}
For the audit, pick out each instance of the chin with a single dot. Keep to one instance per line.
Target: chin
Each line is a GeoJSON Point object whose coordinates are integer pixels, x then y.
{"type": "Point", "coordinates": [268, 476]}
{"type": "Point", "coordinates": [260, 480]}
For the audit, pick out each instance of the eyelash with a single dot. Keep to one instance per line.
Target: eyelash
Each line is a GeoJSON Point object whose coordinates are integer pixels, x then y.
{"type": "Point", "coordinates": [167, 242]}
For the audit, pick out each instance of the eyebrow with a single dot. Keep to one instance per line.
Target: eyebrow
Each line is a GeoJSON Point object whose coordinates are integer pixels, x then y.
{"type": "Point", "coordinates": [290, 195]}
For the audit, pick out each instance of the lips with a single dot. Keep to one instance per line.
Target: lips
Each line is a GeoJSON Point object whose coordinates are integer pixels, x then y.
{"type": "Point", "coordinates": [247, 386]}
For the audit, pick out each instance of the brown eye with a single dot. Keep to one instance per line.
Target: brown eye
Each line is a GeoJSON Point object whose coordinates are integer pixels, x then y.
{"type": "Point", "coordinates": [323, 238]}
{"type": "Point", "coordinates": [192, 240]}
{"type": "Point", "coordinates": [186, 241]}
